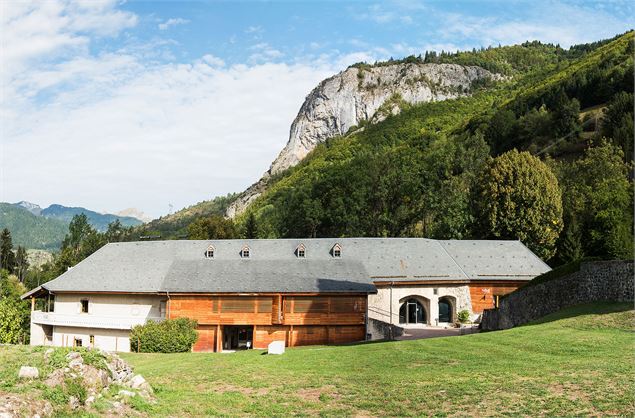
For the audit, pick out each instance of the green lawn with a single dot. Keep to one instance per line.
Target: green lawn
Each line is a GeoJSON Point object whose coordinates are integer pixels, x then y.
{"type": "Point", "coordinates": [579, 362]}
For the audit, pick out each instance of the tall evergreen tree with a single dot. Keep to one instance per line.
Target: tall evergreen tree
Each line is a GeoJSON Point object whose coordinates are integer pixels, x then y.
{"type": "Point", "coordinates": [21, 263]}
{"type": "Point", "coordinates": [251, 226]}
{"type": "Point", "coordinates": [7, 257]}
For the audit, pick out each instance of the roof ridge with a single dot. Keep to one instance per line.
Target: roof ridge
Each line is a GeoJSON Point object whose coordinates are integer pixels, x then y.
{"type": "Point", "coordinates": [453, 260]}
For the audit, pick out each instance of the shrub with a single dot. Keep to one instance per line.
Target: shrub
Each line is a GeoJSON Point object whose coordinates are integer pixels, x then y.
{"type": "Point", "coordinates": [463, 316]}
{"type": "Point", "coordinates": [169, 336]}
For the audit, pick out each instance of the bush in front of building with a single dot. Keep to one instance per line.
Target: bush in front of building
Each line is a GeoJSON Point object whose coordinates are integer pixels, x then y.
{"type": "Point", "coordinates": [169, 336]}
{"type": "Point", "coordinates": [463, 316]}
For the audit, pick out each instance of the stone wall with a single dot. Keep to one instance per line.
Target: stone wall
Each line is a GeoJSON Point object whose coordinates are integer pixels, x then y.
{"type": "Point", "coordinates": [380, 330]}
{"type": "Point", "coordinates": [598, 281]}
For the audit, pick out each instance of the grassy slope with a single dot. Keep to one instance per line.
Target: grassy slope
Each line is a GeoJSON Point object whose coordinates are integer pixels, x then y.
{"type": "Point", "coordinates": [577, 362]}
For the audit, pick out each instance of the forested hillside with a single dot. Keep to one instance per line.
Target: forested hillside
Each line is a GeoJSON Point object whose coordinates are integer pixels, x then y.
{"type": "Point", "coordinates": [416, 174]}
{"type": "Point", "coordinates": [32, 231]}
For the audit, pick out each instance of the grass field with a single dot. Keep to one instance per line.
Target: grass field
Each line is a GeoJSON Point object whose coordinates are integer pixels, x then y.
{"type": "Point", "coordinates": [578, 362]}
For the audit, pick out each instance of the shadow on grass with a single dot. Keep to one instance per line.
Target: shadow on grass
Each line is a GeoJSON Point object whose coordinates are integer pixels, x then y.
{"type": "Point", "coordinates": [598, 308]}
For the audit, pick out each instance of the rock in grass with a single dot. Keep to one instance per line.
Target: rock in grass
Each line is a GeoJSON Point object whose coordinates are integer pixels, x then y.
{"type": "Point", "coordinates": [276, 347]}
{"type": "Point", "coordinates": [28, 372]}
{"type": "Point", "coordinates": [138, 382]}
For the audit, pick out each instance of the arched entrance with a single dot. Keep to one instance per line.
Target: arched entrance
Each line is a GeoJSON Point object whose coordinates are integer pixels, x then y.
{"type": "Point", "coordinates": [446, 309]}
{"type": "Point", "coordinates": [412, 311]}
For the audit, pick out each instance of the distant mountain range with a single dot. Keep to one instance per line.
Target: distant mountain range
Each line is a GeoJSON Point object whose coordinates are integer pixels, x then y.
{"type": "Point", "coordinates": [37, 228]}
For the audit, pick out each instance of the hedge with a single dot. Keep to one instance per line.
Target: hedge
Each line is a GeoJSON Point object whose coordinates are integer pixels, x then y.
{"type": "Point", "coordinates": [169, 336]}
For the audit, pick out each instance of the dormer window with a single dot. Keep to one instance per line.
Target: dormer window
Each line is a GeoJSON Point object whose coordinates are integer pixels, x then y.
{"type": "Point", "coordinates": [300, 251]}
{"type": "Point", "coordinates": [336, 251]}
{"type": "Point", "coordinates": [245, 252]}
{"type": "Point", "coordinates": [209, 253]}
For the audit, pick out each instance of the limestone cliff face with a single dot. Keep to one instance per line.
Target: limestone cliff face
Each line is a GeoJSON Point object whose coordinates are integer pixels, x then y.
{"type": "Point", "coordinates": [357, 94]}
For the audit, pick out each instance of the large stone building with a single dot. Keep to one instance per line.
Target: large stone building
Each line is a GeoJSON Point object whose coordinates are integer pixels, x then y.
{"type": "Point", "coordinates": [252, 292]}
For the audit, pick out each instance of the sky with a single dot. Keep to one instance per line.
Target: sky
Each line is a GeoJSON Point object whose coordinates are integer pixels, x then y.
{"type": "Point", "coordinates": [159, 105]}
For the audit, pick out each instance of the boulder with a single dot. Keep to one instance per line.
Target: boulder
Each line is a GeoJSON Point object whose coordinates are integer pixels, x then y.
{"type": "Point", "coordinates": [55, 379]}
{"type": "Point", "coordinates": [276, 347]}
{"type": "Point", "coordinates": [75, 360]}
{"type": "Point", "coordinates": [95, 378]}
{"type": "Point", "coordinates": [138, 382]}
{"type": "Point", "coordinates": [28, 372]}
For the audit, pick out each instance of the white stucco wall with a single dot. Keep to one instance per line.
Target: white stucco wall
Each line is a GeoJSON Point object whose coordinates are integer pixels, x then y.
{"type": "Point", "coordinates": [109, 319]}
{"type": "Point", "coordinates": [110, 305]}
{"type": "Point", "coordinates": [379, 305]}
{"type": "Point", "coordinates": [106, 339]}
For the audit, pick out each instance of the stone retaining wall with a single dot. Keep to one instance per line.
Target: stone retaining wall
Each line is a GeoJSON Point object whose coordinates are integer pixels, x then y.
{"type": "Point", "coordinates": [597, 281]}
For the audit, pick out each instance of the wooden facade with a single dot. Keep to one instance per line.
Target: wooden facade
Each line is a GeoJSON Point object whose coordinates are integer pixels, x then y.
{"type": "Point", "coordinates": [305, 319]}
{"type": "Point", "coordinates": [484, 293]}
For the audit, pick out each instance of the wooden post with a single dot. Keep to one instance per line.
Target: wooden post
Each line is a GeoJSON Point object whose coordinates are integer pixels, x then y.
{"type": "Point", "coordinates": [32, 303]}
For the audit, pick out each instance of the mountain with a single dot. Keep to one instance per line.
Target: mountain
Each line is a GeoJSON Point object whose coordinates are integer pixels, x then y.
{"type": "Point", "coordinates": [99, 221]}
{"type": "Point", "coordinates": [29, 230]}
{"type": "Point", "coordinates": [413, 173]}
{"type": "Point", "coordinates": [359, 95]}
{"type": "Point", "coordinates": [31, 207]}
{"type": "Point", "coordinates": [37, 228]}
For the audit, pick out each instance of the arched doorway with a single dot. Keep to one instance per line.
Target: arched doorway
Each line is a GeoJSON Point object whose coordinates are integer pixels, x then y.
{"type": "Point", "coordinates": [412, 311]}
{"type": "Point", "coordinates": [446, 309]}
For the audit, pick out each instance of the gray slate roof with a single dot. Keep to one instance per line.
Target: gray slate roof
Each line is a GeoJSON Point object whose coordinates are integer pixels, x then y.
{"type": "Point", "coordinates": [180, 266]}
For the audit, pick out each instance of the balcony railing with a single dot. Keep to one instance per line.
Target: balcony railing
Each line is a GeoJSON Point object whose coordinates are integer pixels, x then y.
{"type": "Point", "coordinates": [88, 320]}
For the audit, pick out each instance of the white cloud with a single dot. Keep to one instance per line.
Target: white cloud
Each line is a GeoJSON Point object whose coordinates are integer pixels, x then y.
{"type": "Point", "coordinates": [114, 129]}
{"type": "Point", "coordinates": [557, 22]}
{"type": "Point", "coordinates": [263, 52]}
{"type": "Point", "coordinates": [172, 22]}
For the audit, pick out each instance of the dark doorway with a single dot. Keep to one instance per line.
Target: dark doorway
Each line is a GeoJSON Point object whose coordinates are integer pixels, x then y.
{"type": "Point", "coordinates": [238, 337]}
{"type": "Point", "coordinates": [412, 312]}
{"type": "Point", "coordinates": [446, 311]}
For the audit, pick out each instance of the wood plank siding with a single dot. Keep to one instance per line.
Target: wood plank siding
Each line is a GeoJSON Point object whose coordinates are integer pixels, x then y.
{"type": "Point", "coordinates": [297, 320]}
{"type": "Point", "coordinates": [483, 294]}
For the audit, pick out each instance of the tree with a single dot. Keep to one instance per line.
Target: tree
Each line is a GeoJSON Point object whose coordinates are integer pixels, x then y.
{"type": "Point", "coordinates": [518, 197]}
{"type": "Point", "coordinates": [81, 241]}
{"type": "Point", "coordinates": [212, 227]}
{"type": "Point", "coordinates": [251, 226]}
{"type": "Point", "coordinates": [617, 123]}
{"type": "Point", "coordinates": [569, 247]}
{"type": "Point", "coordinates": [14, 312]}
{"type": "Point", "coordinates": [7, 257]}
{"type": "Point", "coordinates": [599, 195]}
{"type": "Point", "coordinates": [566, 116]}
{"type": "Point", "coordinates": [21, 263]}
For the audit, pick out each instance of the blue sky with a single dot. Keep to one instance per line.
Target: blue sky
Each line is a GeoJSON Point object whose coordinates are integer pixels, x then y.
{"type": "Point", "coordinates": [110, 104]}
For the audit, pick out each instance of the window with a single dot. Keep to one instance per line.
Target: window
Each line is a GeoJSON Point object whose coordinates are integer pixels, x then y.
{"type": "Point", "coordinates": [245, 252]}
{"type": "Point", "coordinates": [300, 252]}
{"type": "Point", "coordinates": [92, 340]}
{"type": "Point", "coordinates": [162, 309]}
{"type": "Point", "coordinates": [436, 291]}
{"type": "Point", "coordinates": [84, 306]}
{"type": "Point", "coordinates": [336, 251]}
{"type": "Point", "coordinates": [209, 253]}
{"type": "Point", "coordinates": [77, 342]}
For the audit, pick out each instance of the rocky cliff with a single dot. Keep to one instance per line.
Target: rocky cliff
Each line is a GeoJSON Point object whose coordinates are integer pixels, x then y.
{"type": "Point", "coordinates": [358, 94]}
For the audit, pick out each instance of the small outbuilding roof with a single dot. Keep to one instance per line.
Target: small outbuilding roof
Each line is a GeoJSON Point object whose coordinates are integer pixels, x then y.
{"type": "Point", "coordinates": [273, 265]}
